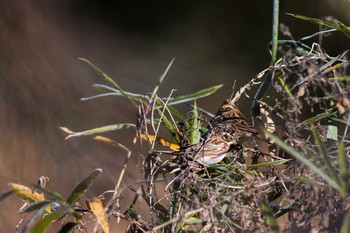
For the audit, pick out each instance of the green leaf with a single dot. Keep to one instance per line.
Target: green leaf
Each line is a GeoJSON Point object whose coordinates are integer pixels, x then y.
{"type": "Point", "coordinates": [343, 78]}
{"type": "Point", "coordinates": [337, 26]}
{"type": "Point", "coordinates": [82, 187]}
{"type": "Point", "coordinates": [43, 224]}
{"type": "Point", "coordinates": [155, 90]}
{"type": "Point", "coordinates": [108, 79]}
{"type": "Point", "coordinates": [98, 130]}
{"type": "Point", "coordinates": [284, 146]}
{"type": "Point", "coordinates": [35, 217]}
{"type": "Point", "coordinates": [172, 110]}
{"type": "Point", "coordinates": [194, 96]}
{"type": "Point", "coordinates": [169, 126]}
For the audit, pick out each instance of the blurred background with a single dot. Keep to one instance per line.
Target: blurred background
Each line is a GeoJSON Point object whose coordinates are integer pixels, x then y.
{"type": "Point", "coordinates": [41, 80]}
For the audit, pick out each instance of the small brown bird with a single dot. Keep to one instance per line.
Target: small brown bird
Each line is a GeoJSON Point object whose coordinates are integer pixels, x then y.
{"type": "Point", "coordinates": [210, 151]}
{"type": "Point", "coordinates": [229, 119]}
{"type": "Point", "coordinates": [229, 129]}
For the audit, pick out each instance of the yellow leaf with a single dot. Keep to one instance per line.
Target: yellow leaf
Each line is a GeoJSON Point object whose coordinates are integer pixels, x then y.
{"type": "Point", "coordinates": [161, 141]}
{"type": "Point", "coordinates": [25, 193]}
{"type": "Point", "coordinates": [96, 206]}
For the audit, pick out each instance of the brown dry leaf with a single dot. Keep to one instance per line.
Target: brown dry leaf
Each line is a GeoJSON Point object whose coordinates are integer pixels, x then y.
{"type": "Point", "coordinates": [96, 206]}
{"type": "Point", "coordinates": [301, 91]}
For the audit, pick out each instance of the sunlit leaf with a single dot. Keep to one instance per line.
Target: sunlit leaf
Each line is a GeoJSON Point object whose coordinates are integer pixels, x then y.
{"type": "Point", "coordinates": [96, 206]}
{"type": "Point", "coordinates": [82, 187]}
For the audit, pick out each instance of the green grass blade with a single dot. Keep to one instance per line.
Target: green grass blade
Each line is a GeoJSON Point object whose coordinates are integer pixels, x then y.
{"type": "Point", "coordinates": [346, 224]}
{"type": "Point", "coordinates": [82, 187]}
{"type": "Point", "coordinates": [108, 79]}
{"type": "Point", "coordinates": [304, 161]}
{"type": "Point", "coordinates": [323, 152]}
{"type": "Point", "coordinates": [289, 93]}
{"type": "Point", "coordinates": [344, 170]}
{"type": "Point", "coordinates": [337, 26]}
{"type": "Point", "coordinates": [340, 120]}
{"type": "Point", "coordinates": [172, 110]}
{"type": "Point", "coordinates": [169, 126]}
{"type": "Point", "coordinates": [98, 130]}
{"type": "Point", "coordinates": [271, 163]}
{"type": "Point", "coordinates": [194, 96]}
{"type": "Point", "coordinates": [328, 64]}
{"type": "Point", "coordinates": [275, 26]}
{"type": "Point", "coordinates": [155, 90]}
{"type": "Point", "coordinates": [109, 91]}
{"type": "Point", "coordinates": [317, 117]}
